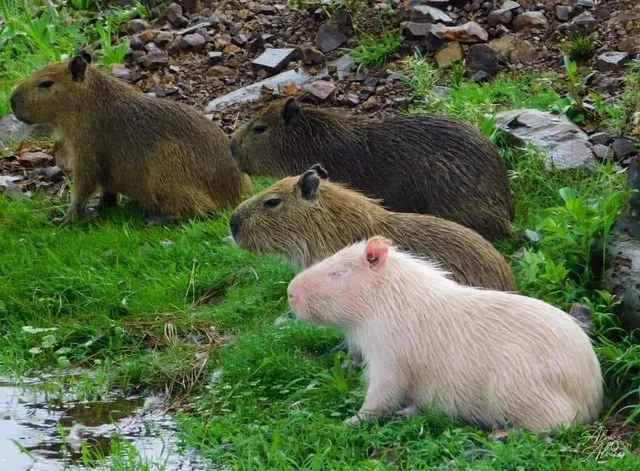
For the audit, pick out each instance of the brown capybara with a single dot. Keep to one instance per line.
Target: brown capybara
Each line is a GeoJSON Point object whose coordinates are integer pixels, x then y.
{"type": "Point", "coordinates": [163, 155]}
{"type": "Point", "coordinates": [427, 164]}
{"type": "Point", "coordinates": [493, 358]}
{"type": "Point", "coordinates": [308, 218]}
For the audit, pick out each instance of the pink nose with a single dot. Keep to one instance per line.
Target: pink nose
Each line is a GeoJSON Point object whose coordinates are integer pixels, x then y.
{"type": "Point", "coordinates": [294, 295]}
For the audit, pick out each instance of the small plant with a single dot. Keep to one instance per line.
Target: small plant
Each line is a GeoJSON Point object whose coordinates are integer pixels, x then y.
{"type": "Point", "coordinates": [374, 53]}
{"type": "Point", "coordinates": [580, 48]}
{"type": "Point", "coordinates": [110, 54]}
{"type": "Point", "coordinates": [572, 104]}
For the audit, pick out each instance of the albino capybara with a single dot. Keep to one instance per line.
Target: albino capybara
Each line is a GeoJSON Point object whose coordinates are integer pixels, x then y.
{"type": "Point", "coordinates": [164, 155]}
{"type": "Point", "coordinates": [307, 218]}
{"type": "Point", "coordinates": [429, 164]}
{"type": "Point", "coordinates": [492, 358]}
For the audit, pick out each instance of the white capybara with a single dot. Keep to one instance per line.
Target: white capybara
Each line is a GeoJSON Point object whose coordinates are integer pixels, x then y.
{"type": "Point", "coordinates": [493, 358]}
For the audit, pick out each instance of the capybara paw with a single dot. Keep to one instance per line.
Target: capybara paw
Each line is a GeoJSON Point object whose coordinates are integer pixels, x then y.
{"type": "Point", "coordinates": [61, 222]}
{"type": "Point", "coordinates": [352, 421]}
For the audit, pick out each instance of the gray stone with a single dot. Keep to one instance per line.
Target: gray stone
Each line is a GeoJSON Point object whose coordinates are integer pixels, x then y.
{"type": "Point", "coordinates": [612, 61]}
{"type": "Point", "coordinates": [310, 55]}
{"type": "Point", "coordinates": [155, 58]}
{"type": "Point", "coordinates": [135, 26]}
{"type": "Point", "coordinates": [563, 13]}
{"type": "Point", "coordinates": [344, 66]}
{"type": "Point", "coordinates": [194, 28]}
{"type": "Point", "coordinates": [192, 42]}
{"type": "Point", "coordinates": [174, 15]}
{"type": "Point", "coordinates": [12, 130]}
{"type": "Point", "coordinates": [274, 60]}
{"type": "Point", "coordinates": [480, 76]}
{"type": "Point", "coordinates": [53, 174]}
{"type": "Point", "coordinates": [602, 152]}
{"type": "Point", "coordinates": [530, 19]}
{"type": "Point", "coordinates": [432, 42]}
{"type": "Point", "coordinates": [499, 17]}
{"type": "Point", "coordinates": [469, 32]}
{"type": "Point", "coordinates": [623, 147]}
{"type": "Point", "coordinates": [510, 5]}
{"type": "Point", "coordinates": [566, 145]}
{"type": "Point", "coordinates": [320, 91]}
{"type": "Point", "coordinates": [586, 3]}
{"type": "Point", "coordinates": [6, 180]}
{"type": "Point", "coordinates": [427, 14]}
{"type": "Point", "coordinates": [121, 72]}
{"type": "Point", "coordinates": [163, 38]}
{"type": "Point", "coordinates": [583, 315]}
{"type": "Point", "coordinates": [583, 23]}
{"type": "Point", "coordinates": [214, 57]}
{"type": "Point", "coordinates": [481, 57]}
{"type": "Point", "coordinates": [413, 30]}
{"type": "Point", "coordinates": [602, 138]}
{"type": "Point", "coordinates": [34, 159]}
{"type": "Point", "coordinates": [239, 40]}
{"type": "Point", "coordinates": [219, 71]}
{"type": "Point", "coordinates": [329, 38]}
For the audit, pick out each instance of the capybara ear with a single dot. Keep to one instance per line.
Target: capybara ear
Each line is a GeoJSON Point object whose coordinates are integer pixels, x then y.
{"type": "Point", "coordinates": [320, 171]}
{"type": "Point", "coordinates": [308, 183]}
{"type": "Point", "coordinates": [86, 55]}
{"type": "Point", "coordinates": [291, 112]}
{"type": "Point", "coordinates": [77, 67]}
{"type": "Point", "coordinates": [376, 252]}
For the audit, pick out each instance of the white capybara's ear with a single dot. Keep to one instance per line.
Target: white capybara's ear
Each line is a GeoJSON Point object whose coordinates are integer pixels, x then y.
{"type": "Point", "coordinates": [376, 251]}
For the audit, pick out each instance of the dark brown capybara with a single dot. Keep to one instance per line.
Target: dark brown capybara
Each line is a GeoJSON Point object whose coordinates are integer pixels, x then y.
{"type": "Point", "coordinates": [429, 164]}
{"type": "Point", "coordinates": [165, 156]}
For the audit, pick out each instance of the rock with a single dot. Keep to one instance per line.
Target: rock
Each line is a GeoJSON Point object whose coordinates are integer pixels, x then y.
{"type": "Point", "coordinates": [481, 57]}
{"type": "Point", "coordinates": [427, 14]}
{"type": "Point", "coordinates": [602, 138]}
{"type": "Point", "coordinates": [630, 44]}
{"type": "Point", "coordinates": [191, 6]}
{"type": "Point", "coordinates": [370, 104]}
{"type": "Point", "coordinates": [135, 26]}
{"type": "Point", "coordinates": [7, 180]}
{"type": "Point", "coordinates": [53, 174]}
{"type": "Point", "coordinates": [623, 147]}
{"type": "Point", "coordinates": [584, 23]}
{"type": "Point", "coordinates": [192, 42]}
{"type": "Point", "coordinates": [583, 315]}
{"type": "Point", "coordinates": [310, 55]}
{"type": "Point", "coordinates": [563, 13]}
{"type": "Point", "coordinates": [529, 20]}
{"type": "Point", "coordinates": [232, 49]}
{"type": "Point", "coordinates": [612, 61]}
{"type": "Point", "coordinates": [525, 53]}
{"type": "Point", "coordinates": [449, 54]}
{"type": "Point", "coordinates": [121, 72]}
{"type": "Point", "coordinates": [499, 17]}
{"type": "Point", "coordinates": [219, 71]}
{"type": "Point", "coordinates": [413, 30]}
{"type": "Point", "coordinates": [480, 76]}
{"type": "Point", "coordinates": [470, 32]}
{"type": "Point", "coordinates": [432, 42]}
{"type": "Point", "coordinates": [155, 58]}
{"type": "Point", "coordinates": [602, 152]}
{"type": "Point", "coordinates": [162, 38]}
{"type": "Point", "coordinates": [288, 89]}
{"type": "Point", "coordinates": [565, 143]}
{"type": "Point", "coordinates": [174, 15]}
{"type": "Point", "coordinates": [11, 129]}
{"type": "Point", "coordinates": [343, 67]}
{"type": "Point", "coordinates": [266, 9]}
{"type": "Point", "coordinates": [274, 60]}
{"type": "Point", "coordinates": [510, 5]}
{"type": "Point", "coordinates": [239, 40]}
{"type": "Point", "coordinates": [329, 38]}
{"type": "Point", "coordinates": [586, 3]}
{"type": "Point", "coordinates": [320, 91]}
{"type": "Point", "coordinates": [602, 13]}
{"type": "Point", "coordinates": [505, 45]}
{"type": "Point", "coordinates": [214, 57]}
{"type": "Point", "coordinates": [34, 159]}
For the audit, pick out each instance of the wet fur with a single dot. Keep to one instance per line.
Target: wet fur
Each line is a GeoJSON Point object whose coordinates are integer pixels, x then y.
{"type": "Point", "coordinates": [305, 232]}
{"type": "Point", "coordinates": [489, 357]}
{"type": "Point", "coordinates": [426, 164]}
{"type": "Point", "coordinates": [164, 155]}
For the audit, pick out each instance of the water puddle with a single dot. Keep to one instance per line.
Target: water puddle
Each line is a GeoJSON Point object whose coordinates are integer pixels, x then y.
{"type": "Point", "coordinates": [30, 438]}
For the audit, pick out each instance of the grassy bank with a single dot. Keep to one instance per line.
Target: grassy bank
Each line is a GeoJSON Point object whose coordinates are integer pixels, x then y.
{"type": "Point", "coordinates": [141, 308]}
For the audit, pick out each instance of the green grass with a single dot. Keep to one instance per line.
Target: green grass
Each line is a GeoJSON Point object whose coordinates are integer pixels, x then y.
{"type": "Point", "coordinates": [148, 308]}
{"type": "Point", "coordinates": [580, 48]}
{"type": "Point", "coordinates": [375, 52]}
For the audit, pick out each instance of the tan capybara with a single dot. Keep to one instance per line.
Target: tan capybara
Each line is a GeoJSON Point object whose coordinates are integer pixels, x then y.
{"type": "Point", "coordinates": [427, 164]}
{"type": "Point", "coordinates": [163, 155]}
{"type": "Point", "coordinates": [495, 359]}
{"type": "Point", "coordinates": [307, 218]}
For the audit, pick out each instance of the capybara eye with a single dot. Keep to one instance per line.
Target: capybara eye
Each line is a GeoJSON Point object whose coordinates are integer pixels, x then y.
{"type": "Point", "coordinates": [272, 202]}
{"type": "Point", "coordinates": [46, 83]}
{"type": "Point", "coordinates": [259, 128]}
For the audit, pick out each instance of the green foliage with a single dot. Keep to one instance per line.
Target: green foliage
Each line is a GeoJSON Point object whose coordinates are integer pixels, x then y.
{"type": "Point", "coordinates": [375, 52]}
{"type": "Point", "coordinates": [580, 48]}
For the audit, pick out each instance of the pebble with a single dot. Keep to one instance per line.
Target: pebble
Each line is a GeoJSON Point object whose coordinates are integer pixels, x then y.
{"type": "Point", "coordinates": [470, 32]}
{"type": "Point", "coordinates": [501, 16]}
{"type": "Point", "coordinates": [193, 42]}
{"type": "Point", "coordinates": [451, 53]}
{"type": "Point", "coordinates": [602, 152]}
{"type": "Point", "coordinates": [529, 20]}
{"type": "Point", "coordinates": [623, 147]}
{"type": "Point", "coordinates": [274, 60]}
{"type": "Point", "coordinates": [481, 58]}
{"type": "Point", "coordinates": [214, 57]}
{"type": "Point", "coordinates": [34, 159]}
{"type": "Point", "coordinates": [329, 38]}
{"type": "Point", "coordinates": [320, 91]}
{"type": "Point", "coordinates": [611, 61]}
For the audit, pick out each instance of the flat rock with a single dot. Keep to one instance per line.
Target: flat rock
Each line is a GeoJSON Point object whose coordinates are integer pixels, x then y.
{"type": "Point", "coordinates": [53, 174]}
{"type": "Point", "coordinates": [612, 61]}
{"type": "Point", "coordinates": [193, 42]}
{"type": "Point", "coordinates": [602, 138]}
{"type": "Point", "coordinates": [603, 152]}
{"type": "Point", "coordinates": [449, 54]}
{"type": "Point", "coordinates": [586, 3]}
{"type": "Point", "coordinates": [623, 147]}
{"type": "Point", "coordinates": [121, 72]}
{"type": "Point", "coordinates": [6, 180]}
{"type": "Point", "coordinates": [310, 55]}
{"type": "Point", "coordinates": [524, 53]}
{"type": "Point", "coordinates": [565, 144]}
{"type": "Point", "coordinates": [428, 14]}
{"type": "Point", "coordinates": [214, 57]}
{"type": "Point", "coordinates": [584, 23]}
{"type": "Point", "coordinates": [219, 71]}
{"type": "Point", "coordinates": [563, 12]}
{"type": "Point", "coordinates": [34, 159]}
{"type": "Point", "coordinates": [329, 38]}
{"type": "Point", "coordinates": [481, 57]}
{"type": "Point", "coordinates": [413, 30]}
{"type": "Point", "coordinates": [320, 91]}
{"type": "Point", "coordinates": [274, 60]}
{"type": "Point", "coordinates": [11, 129]}
{"type": "Point", "coordinates": [343, 66]}
{"type": "Point", "coordinates": [501, 16]}
{"type": "Point", "coordinates": [135, 26]}
{"type": "Point", "coordinates": [432, 42]}
{"type": "Point", "coordinates": [155, 57]}
{"type": "Point", "coordinates": [469, 32]}
{"type": "Point", "coordinates": [510, 5]}
{"type": "Point", "coordinates": [529, 20]}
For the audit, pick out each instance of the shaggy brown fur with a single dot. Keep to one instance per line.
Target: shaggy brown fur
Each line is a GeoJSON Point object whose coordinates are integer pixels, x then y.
{"type": "Point", "coordinates": [165, 156]}
{"type": "Point", "coordinates": [425, 164]}
{"type": "Point", "coordinates": [307, 218]}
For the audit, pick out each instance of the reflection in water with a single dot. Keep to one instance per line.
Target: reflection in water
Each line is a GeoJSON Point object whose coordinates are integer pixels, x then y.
{"type": "Point", "coordinates": [29, 438]}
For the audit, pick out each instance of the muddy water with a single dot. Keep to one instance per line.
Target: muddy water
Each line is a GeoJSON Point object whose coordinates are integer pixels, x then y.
{"type": "Point", "coordinates": [30, 438]}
